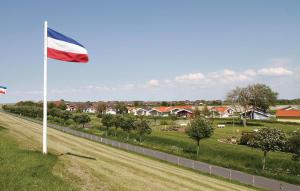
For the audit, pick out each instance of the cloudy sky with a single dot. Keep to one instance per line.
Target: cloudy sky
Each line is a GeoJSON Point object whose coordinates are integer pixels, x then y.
{"type": "Point", "coordinates": [152, 50]}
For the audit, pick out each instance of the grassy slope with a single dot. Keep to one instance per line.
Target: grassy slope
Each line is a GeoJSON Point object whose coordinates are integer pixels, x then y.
{"type": "Point", "coordinates": [26, 170]}
{"type": "Point", "coordinates": [279, 164]}
{"type": "Point", "coordinates": [113, 169]}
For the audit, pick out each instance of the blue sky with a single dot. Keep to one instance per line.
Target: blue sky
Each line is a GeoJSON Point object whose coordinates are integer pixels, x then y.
{"type": "Point", "coordinates": [152, 50]}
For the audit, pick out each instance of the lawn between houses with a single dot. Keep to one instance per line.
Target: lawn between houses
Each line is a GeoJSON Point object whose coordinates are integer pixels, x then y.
{"type": "Point", "coordinates": [22, 169]}
{"type": "Point", "coordinates": [213, 150]}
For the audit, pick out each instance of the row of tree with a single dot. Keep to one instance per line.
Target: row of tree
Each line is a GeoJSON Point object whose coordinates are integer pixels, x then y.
{"type": "Point", "coordinates": [127, 123]}
{"type": "Point", "coordinates": [34, 111]}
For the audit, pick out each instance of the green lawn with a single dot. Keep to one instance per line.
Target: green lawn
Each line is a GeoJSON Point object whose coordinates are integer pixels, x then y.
{"type": "Point", "coordinates": [239, 157]}
{"type": "Point", "coordinates": [26, 170]}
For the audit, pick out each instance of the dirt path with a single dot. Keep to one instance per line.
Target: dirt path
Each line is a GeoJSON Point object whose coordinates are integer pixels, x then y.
{"type": "Point", "coordinates": [101, 167]}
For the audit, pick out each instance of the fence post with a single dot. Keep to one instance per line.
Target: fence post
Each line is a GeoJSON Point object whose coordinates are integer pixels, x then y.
{"type": "Point", "coordinates": [177, 161]}
{"type": "Point", "coordinates": [193, 164]}
{"type": "Point", "coordinates": [253, 181]}
{"type": "Point", "coordinates": [209, 169]}
{"type": "Point", "coordinates": [230, 174]}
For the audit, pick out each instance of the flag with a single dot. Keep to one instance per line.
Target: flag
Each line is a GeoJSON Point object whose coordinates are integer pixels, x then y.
{"type": "Point", "coordinates": [2, 90]}
{"type": "Point", "coordinates": [61, 47]}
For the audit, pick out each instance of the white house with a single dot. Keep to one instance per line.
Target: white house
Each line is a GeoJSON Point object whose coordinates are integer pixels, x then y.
{"type": "Point", "coordinates": [111, 111]}
{"type": "Point", "coordinates": [90, 110]}
{"type": "Point", "coordinates": [222, 111]}
{"type": "Point", "coordinates": [71, 107]}
{"type": "Point", "coordinates": [256, 114]}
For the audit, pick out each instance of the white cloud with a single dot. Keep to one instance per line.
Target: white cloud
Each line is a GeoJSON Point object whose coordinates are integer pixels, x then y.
{"type": "Point", "coordinates": [276, 71]}
{"type": "Point", "coordinates": [250, 72]}
{"type": "Point", "coordinates": [153, 83]}
{"type": "Point", "coordinates": [190, 77]}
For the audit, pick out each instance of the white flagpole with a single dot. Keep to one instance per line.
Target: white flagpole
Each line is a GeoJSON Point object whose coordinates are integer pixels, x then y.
{"type": "Point", "coordinates": [45, 89]}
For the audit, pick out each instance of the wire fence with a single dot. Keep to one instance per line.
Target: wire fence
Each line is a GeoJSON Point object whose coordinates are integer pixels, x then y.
{"type": "Point", "coordinates": [245, 178]}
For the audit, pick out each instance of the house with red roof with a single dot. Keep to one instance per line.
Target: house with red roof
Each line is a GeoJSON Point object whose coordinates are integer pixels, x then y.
{"type": "Point", "coordinates": [289, 114]}
{"type": "Point", "coordinates": [222, 111]}
{"type": "Point", "coordinates": [164, 111]}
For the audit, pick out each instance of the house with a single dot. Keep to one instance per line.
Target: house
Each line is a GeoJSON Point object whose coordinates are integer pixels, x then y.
{"type": "Point", "coordinates": [164, 111]}
{"type": "Point", "coordinates": [256, 114]}
{"type": "Point", "coordinates": [183, 113]}
{"type": "Point", "coordinates": [288, 114]}
{"type": "Point", "coordinates": [90, 109]}
{"type": "Point", "coordinates": [111, 111]}
{"type": "Point", "coordinates": [71, 107]}
{"type": "Point", "coordinates": [222, 111]}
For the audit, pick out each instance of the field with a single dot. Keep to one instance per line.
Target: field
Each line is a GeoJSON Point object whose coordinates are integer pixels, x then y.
{"type": "Point", "coordinates": [239, 157]}
{"type": "Point", "coordinates": [91, 166]}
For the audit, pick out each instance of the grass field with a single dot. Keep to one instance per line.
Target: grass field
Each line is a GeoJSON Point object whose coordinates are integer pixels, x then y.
{"type": "Point", "coordinates": [23, 169]}
{"type": "Point", "coordinates": [239, 157]}
{"type": "Point", "coordinates": [94, 166]}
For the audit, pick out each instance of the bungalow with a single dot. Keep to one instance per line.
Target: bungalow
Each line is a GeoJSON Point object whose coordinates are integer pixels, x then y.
{"type": "Point", "coordinates": [90, 109]}
{"type": "Point", "coordinates": [288, 115]}
{"type": "Point", "coordinates": [256, 114]}
{"type": "Point", "coordinates": [71, 107]}
{"type": "Point", "coordinates": [164, 111]}
{"type": "Point", "coordinates": [111, 111]}
{"type": "Point", "coordinates": [222, 111]}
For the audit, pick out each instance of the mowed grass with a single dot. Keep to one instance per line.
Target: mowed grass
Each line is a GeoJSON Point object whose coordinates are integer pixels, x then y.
{"type": "Point", "coordinates": [26, 170]}
{"type": "Point", "coordinates": [105, 168]}
{"type": "Point", "coordinates": [239, 157]}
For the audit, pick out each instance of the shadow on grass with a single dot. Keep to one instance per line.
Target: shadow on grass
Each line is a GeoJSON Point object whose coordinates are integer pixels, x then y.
{"type": "Point", "coordinates": [2, 128]}
{"type": "Point", "coordinates": [81, 156]}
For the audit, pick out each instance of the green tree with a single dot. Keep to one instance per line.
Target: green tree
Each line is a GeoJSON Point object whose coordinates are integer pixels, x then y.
{"type": "Point", "coordinates": [294, 145]}
{"type": "Point", "coordinates": [142, 127]}
{"type": "Point", "coordinates": [198, 129]}
{"type": "Point", "coordinates": [108, 120]}
{"type": "Point", "coordinates": [82, 119]}
{"type": "Point", "coordinates": [256, 96]}
{"type": "Point", "coordinates": [66, 115]}
{"type": "Point", "coordinates": [261, 96]}
{"type": "Point", "coordinates": [268, 139]}
{"type": "Point", "coordinates": [126, 123]}
{"type": "Point", "coordinates": [196, 113]}
{"type": "Point", "coordinates": [121, 108]}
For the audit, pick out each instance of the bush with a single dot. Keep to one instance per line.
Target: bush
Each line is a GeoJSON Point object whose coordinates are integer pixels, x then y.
{"type": "Point", "coordinates": [246, 137]}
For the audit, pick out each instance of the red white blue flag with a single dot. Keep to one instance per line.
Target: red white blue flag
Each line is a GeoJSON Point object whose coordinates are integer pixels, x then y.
{"type": "Point", "coordinates": [2, 90]}
{"type": "Point", "coordinates": [61, 47]}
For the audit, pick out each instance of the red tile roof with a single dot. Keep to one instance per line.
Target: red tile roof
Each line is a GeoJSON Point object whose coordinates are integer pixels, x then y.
{"type": "Point", "coordinates": [220, 109]}
{"type": "Point", "coordinates": [288, 113]}
{"type": "Point", "coordinates": [165, 109]}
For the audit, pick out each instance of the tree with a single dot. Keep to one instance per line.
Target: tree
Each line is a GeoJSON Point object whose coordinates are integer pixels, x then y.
{"type": "Point", "coordinates": [108, 120]}
{"type": "Point", "coordinates": [66, 115]}
{"type": "Point", "coordinates": [196, 113]}
{"type": "Point", "coordinates": [240, 100]}
{"type": "Point", "coordinates": [118, 121]}
{"type": "Point", "coordinates": [294, 145]}
{"type": "Point", "coordinates": [256, 96]}
{"type": "Point", "coordinates": [198, 129]}
{"type": "Point", "coordinates": [142, 127]}
{"type": "Point", "coordinates": [127, 124]}
{"type": "Point", "coordinates": [261, 96]}
{"type": "Point", "coordinates": [121, 108]}
{"type": "Point", "coordinates": [82, 119]}
{"type": "Point", "coordinates": [268, 139]}
{"type": "Point", "coordinates": [205, 111]}
{"type": "Point", "coordinates": [101, 107]}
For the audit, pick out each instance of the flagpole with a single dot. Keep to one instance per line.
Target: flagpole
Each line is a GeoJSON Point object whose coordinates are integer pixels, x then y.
{"type": "Point", "coordinates": [45, 90]}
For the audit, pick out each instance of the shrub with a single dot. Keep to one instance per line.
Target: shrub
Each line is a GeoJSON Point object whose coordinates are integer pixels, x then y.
{"type": "Point", "coordinates": [246, 138]}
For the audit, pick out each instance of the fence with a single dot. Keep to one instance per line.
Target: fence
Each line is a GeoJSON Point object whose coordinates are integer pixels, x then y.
{"type": "Point", "coordinates": [242, 177]}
